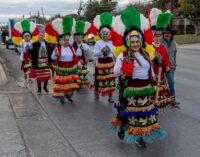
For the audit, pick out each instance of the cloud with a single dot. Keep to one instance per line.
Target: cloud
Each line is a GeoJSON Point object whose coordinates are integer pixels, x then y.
{"type": "Point", "coordinates": [17, 8]}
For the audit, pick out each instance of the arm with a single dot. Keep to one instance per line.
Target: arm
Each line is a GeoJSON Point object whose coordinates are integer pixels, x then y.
{"type": "Point", "coordinates": [85, 47]}
{"type": "Point", "coordinates": [97, 50]}
{"type": "Point", "coordinates": [20, 47]}
{"type": "Point", "coordinates": [175, 56]}
{"type": "Point", "coordinates": [118, 64]}
{"type": "Point", "coordinates": [54, 56]}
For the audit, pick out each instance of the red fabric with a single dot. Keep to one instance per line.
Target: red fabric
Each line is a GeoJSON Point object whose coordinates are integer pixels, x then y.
{"type": "Point", "coordinates": [63, 64]}
{"type": "Point", "coordinates": [27, 56]}
{"type": "Point", "coordinates": [43, 75]}
{"type": "Point", "coordinates": [75, 58]}
{"type": "Point", "coordinates": [35, 32]}
{"type": "Point", "coordinates": [49, 30]}
{"type": "Point", "coordinates": [32, 74]}
{"type": "Point", "coordinates": [148, 36]}
{"type": "Point", "coordinates": [117, 39]}
{"type": "Point", "coordinates": [165, 58]}
{"type": "Point", "coordinates": [15, 33]}
{"type": "Point", "coordinates": [94, 30]}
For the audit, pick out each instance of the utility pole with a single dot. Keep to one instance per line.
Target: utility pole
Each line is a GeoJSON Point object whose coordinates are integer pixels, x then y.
{"type": "Point", "coordinates": [43, 15]}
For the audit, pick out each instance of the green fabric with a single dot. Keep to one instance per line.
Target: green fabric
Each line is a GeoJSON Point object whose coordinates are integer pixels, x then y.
{"type": "Point", "coordinates": [163, 20]}
{"type": "Point", "coordinates": [83, 73]}
{"type": "Point", "coordinates": [64, 70]}
{"type": "Point", "coordinates": [67, 24]}
{"type": "Point", "coordinates": [142, 92]}
{"type": "Point", "coordinates": [118, 87]}
{"type": "Point", "coordinates": [106, 19]}
{"type": "Point", "coordinates": [25, 25]}
{"type": "Point", "coordinates": [79, 27]}
{"type": "Point", "coordinates": [131, 17]}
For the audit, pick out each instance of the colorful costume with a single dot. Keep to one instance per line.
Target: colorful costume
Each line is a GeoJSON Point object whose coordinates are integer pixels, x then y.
{"type": "Point", "coordinates": [158, 22]}
{"type": "Point", "coordinates": [136, 110]}
{"type": "Point", "coordinates": [18, 32]}
{"type": "Point", "coordinates": [82, 29]}
{"type": "Point", "coordinates": [66, 61]}
{"type": "Point", "coordinates": [104, 76]}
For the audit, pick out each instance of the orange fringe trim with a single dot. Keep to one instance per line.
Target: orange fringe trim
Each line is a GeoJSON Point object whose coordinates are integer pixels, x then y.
{"type": "Point", "coordinates": [105, 77]}
{"type": "Point", "coordinates": [105, 89]}
{"type": "Point", "coordinates": [66, 78]}
{"type": "Point", "coordinates": [115, 122]}
{"type": "Point", "coordinates": [144, 130]}
{"type": "Point", "coordinates": [65, 87]}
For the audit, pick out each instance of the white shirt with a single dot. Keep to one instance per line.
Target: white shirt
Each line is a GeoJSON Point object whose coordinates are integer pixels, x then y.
{"type": "Point", "coordinates": [101, 44]}
{"type": "Point", "coordinates": [85, 48]}
{"type": "Point", "coordinates": [139, 72]}
{"type": "Point", "coordinates": [66, 55]}
{"type": "Point", "coordinates": [23, 49]}
{"type": "Point", "coordinates": [23, 45]}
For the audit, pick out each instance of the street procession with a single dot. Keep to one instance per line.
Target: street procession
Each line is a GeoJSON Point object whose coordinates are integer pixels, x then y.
{"type": "Point", "coordinates": [127, 76]}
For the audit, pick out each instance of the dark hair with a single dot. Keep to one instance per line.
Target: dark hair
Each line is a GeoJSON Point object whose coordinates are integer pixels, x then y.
{"type": "Point", "coordinates": [168, 30]}
{"type": "Point", "coordinates": [131, 29]}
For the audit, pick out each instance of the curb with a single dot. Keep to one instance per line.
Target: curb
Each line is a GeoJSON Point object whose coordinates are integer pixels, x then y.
{"type": "Point", "coordinates": [3, 77]}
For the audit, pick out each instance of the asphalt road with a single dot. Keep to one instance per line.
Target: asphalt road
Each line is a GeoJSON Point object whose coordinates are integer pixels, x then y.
{"type": "Point", "coordinates": [50, 129]}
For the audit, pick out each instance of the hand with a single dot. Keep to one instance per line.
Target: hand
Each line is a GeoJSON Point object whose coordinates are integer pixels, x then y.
{"type": "Point", "coordinates": [56, 54]}
{"type": "Point", "coordinates": [103, 49]}
{"type": "Point", "coordinates": [167, 69]}
{"type": "Point", "coordinates": [174, 69]}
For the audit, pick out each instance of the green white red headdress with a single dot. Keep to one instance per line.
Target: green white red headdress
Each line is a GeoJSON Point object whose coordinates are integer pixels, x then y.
{"type": "Point", "coordinates": [159, 20]}
{"type": "Point", "coordinates": [101, 23]}
{"type": "Point", "coordinates": [24, 27]}
{"type": "Point", "coordinates": [82, 28]}
{"type": "Point", "coordinates": [59, 28]}
{"type": "Point", "coordinates": [129, 22]}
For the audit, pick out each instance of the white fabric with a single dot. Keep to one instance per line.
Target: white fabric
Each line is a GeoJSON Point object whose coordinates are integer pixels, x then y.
{"type": "Point", "coordinates": [139, 72]}
{"type": "Point", "coordinates": [66, 55]}
{"type": "Point", "coordinates": [85, 48]}
{"type": "Point", "coordinates": [22, 49]}
{"type": "Point", "coordinates": [98, 47]}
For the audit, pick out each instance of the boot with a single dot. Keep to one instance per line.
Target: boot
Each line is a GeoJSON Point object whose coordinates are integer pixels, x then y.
{"type": "Point", "coordinates": [39, 87]}
{"type": "Point", "coordinates": [45, 87]}
{"type": "Point", "coordinates": [110, 99]}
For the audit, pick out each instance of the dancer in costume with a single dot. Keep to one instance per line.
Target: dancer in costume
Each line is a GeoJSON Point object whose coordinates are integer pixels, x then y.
{"type": "Point", "coordinates": [82, 29]}
{"type": "Point", "coordinates": [136, 118]}
{"type": "Point", "coordinates": [65, 65]}
{"type": "Point", "coordinates": [103, 49]}
{"type": "Point", "coordinates": [158, 22]}
{"type": "Point", "coordinates": [41, 57]}
{"type": "Point", "coordinates": [24, 34]}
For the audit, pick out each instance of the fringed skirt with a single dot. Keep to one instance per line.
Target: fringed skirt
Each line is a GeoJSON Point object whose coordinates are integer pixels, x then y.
{"type": "Point", "coordinates": [43, 72]}
{"type": "Point", "coordinates": [104, 76]}
{"type": "Point", "coordinates": [83, 73]}
{"type": "Point", "coordinates": [26, 64]}
{"type": "Point", "coordinates": [65, 80]}
{"type": "Point", "coordinates": [136, 112]}
{"type": "Point", "coordinates": [162, 96]}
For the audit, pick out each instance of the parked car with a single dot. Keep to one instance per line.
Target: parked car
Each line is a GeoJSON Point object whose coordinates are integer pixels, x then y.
{"type": "Point", "coordinates": [90, 40]}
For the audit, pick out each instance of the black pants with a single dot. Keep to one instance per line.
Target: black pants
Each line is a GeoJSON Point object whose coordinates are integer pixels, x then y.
{"type": "Point", "coordinates": [39, 85]}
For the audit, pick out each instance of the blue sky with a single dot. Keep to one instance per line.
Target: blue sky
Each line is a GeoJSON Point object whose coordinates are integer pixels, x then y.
{"type": "Point", "coordinates": [16, 8]}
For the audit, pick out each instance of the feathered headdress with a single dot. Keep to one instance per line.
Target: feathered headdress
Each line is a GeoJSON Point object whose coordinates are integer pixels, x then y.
{"type": "Point", "coordinates": [82, 28]}
{"type": "Point", "coordinates": [20, 28]}
{"type": "Point", "coordinates": [159, 20]}
{"type": "Point", "coordinates": [59, 28]}
{"type": "Point", "coordinates": [129, 22]}
{"type": "Point", "coordinates": [100, 22]}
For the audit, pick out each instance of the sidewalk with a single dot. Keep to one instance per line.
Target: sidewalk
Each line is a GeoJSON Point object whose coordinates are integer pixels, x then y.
{"type": "Point", "coordinates": [3, 77]}
{"type": "Point", "coordinates": [194, 46]}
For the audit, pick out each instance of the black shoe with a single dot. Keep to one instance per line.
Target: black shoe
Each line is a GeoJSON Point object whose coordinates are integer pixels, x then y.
{"type": "Point", "coordinates": [140, 143]}
{"type": "Point", "coordinates": [69, 98]}
{"type": "Point", "coordinates": [39, 91]}
{"type": "Point", "coordinates": [110, 99]}
{"type": "Point", "coordinates": [121, 133]}
{"type": "Point", "coordinates": [62, 102]}
{"type": "Point", "coordinates": [46, 90]}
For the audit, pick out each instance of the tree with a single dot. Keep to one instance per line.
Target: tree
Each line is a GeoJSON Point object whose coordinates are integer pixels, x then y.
{"type": "Point", "coordinates": [80, 9]}
{"type": "Point", "coordinates": [190, 9]}
{"type": "Point", "coordinates": [94, 7]}
{"type": "Point", "coordinates": [166, 4]}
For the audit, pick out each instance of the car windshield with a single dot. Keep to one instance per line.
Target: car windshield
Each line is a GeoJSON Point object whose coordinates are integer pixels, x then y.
{"type": "Point", "coordinates": [41, 28]}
